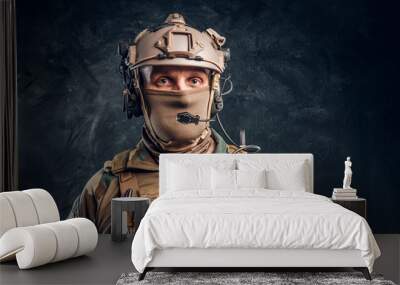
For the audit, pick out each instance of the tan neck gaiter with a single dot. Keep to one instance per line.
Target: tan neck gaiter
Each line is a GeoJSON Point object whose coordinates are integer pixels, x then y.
{"type": "Point", "coordinates": [163, 133]}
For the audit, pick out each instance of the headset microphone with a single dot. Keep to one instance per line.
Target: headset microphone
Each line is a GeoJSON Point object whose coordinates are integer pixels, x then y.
{"type": "Point", "coordinates": [188, 118]}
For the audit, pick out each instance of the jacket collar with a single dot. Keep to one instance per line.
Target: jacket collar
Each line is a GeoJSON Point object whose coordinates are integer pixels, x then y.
{"type": "Point", "coordinates": [140, 158]}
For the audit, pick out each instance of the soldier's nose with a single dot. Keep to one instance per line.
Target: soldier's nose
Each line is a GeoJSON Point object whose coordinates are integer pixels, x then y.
{"type": "Point", "coordinates": [180, 84]}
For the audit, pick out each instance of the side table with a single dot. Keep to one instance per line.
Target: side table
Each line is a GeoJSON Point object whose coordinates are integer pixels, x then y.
{"type": "Point", "coordinates": [357, 205]}
{"type": "Point", "coordinates": [122, 210]}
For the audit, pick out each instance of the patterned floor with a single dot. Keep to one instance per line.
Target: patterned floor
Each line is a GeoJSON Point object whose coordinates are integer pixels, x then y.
{"type": "Point", "coordinates": [231, 278]}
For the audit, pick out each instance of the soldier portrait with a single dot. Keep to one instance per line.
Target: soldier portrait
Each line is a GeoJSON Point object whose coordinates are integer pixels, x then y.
{"type": "Point", "coordinates": [172, 78]}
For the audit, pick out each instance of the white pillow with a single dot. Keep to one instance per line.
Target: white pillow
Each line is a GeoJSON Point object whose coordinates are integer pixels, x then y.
{"type": "Point", "coordinates": [281, 174]}
{"type": "Point", "coordinates": [293, 178]}
{"type": "Point", "coordinates": [182, 177]}
{"type": "Point", "coordinates": [224, 179]}
{"type": "Point", "coordinates": [251, 178]}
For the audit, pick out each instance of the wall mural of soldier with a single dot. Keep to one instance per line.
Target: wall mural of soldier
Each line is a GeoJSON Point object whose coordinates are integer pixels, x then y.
{"type": "Point", "coordinates": [172, 78]}
{"type": "Point", "coordinates": [309, 77]}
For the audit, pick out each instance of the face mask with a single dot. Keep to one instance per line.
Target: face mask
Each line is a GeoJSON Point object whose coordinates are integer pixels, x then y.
{"type": "Point", "coordinates": [163, 106]}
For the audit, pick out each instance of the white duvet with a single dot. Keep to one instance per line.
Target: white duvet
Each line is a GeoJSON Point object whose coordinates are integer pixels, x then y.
{"type": "Point", "coordinates": [252, 218]}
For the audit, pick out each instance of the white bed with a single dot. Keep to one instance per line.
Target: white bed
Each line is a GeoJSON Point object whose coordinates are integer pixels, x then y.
{"type": "Point", "coordinates": [282, 224]}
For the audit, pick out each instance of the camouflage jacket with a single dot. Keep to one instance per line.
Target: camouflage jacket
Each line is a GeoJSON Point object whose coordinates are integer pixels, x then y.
{"type": "Point", "coordinates": [132, 172]}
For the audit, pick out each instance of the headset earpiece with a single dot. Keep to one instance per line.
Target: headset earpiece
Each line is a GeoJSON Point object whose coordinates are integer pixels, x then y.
{"type": "Point", "coordinates": [131, 98]}
{"type": "Point", "coordinates": [131, 104]}
{"type": "Point", "coordinates": [218, 103]}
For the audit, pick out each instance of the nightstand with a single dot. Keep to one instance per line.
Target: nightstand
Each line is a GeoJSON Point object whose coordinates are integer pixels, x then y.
{"type": "Point", "coordinates": [122, 210]}
{"type": "Point", "coordinates": [357, 205]}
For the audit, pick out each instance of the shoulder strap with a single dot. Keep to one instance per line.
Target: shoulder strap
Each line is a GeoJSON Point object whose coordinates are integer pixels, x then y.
{"type": "Point", "coordinates": [128, 184]}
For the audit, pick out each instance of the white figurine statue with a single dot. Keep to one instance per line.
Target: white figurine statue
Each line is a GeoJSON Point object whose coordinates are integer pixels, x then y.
{"type": "Point", "coordinates": [348, 173]}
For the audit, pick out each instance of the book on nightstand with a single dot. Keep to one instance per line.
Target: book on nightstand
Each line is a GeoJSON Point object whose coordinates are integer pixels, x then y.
{"type": "Point", "coordinates": [344, 194]}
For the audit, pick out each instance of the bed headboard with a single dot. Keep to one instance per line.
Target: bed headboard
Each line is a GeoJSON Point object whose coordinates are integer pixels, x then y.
{"type": "Point", "coordinates": [228, 159]}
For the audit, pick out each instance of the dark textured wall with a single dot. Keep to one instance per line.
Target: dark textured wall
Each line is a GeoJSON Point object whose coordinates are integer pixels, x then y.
{"type": "Point", "coordinates": [310, 76]}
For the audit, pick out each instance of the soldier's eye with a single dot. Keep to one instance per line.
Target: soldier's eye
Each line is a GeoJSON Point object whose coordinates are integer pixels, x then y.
{"type": "Point", "coordinates": [195, 81]}
{"type": "Point", "coordinates": [162, 81]}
